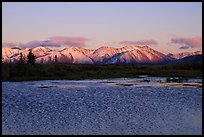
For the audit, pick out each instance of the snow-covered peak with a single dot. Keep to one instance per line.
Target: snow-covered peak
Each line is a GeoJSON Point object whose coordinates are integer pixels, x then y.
{"type": "Point", "coordinates": [27, 49]}
{"type": "Point", "coordinates": [183, 54]}
{"type": "Point", "coordinates": [102, 55]}
{"type": "Point", "coordinates": [9, 51]}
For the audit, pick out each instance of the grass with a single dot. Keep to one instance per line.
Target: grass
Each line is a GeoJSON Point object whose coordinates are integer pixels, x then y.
{"type": "Point", "coordinates": [60, 71]}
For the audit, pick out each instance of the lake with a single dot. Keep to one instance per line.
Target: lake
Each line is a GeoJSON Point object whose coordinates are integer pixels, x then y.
{"type": "Point", "coordinates": [122, 106]}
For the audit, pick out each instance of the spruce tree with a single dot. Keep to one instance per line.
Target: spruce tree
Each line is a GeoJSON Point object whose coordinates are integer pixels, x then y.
{"type": "Point", "coordinates": [31, 58]}
{"type": "Point", "coordinates": [21, 61]}
{"type": "Point", "coordinates": [55, 58]}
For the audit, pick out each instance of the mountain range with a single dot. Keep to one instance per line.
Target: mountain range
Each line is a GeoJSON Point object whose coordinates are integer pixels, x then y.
{"type": "Point", "coordinates": [102, 55]}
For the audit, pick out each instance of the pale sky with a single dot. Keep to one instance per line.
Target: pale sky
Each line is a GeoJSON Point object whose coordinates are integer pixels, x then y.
{"type": "Point", "coordinates": [94, 24]}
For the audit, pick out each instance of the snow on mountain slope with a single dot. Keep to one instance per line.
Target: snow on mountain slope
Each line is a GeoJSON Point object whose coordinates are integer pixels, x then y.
{"type": "Point", "coordinates": [134, 56]}
{"type": "Point", "coordinates": [153, 55]}
{"type": "Point", "coordinates": [103, 55]}
{"type": "Point", "coordinates": [78, 54]}
{"type": "Point", "coordinates": [14, 53]}
{"type": "Point", "coordinates": [51, 58]}
{"type": "Point", "coordinates": [128, 48]}
{"type": "Point", "coordinates": [114, 58]}
{"type": "Point", "coordinates": [41, 51]}
{"type": "Point", "coordinates": [137, 54]}
{"type": "Point", "coordinates": [183, 54]}
{"type": "Point", "coordinates": [8, 53]}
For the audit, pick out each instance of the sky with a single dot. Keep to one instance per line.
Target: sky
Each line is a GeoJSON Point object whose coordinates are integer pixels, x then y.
{"type": "Point", "coordinates": [169, 27]}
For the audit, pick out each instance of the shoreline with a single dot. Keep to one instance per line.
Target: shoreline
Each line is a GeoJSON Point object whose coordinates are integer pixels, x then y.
{"type": "Point", "coordinates": [168, 79]}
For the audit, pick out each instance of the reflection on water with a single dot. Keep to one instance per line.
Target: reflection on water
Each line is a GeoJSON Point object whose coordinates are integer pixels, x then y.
{"type": "Point", "coordinates": [176, 79]}
{"type": "Point", "coordinates": [157, 82]}
{"type": "Point", "coordinates": [133, 82]}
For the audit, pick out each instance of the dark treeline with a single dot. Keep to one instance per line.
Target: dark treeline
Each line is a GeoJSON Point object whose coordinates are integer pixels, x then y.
{"type": "Point", "coordinates": [51, 71]}
{"type": "Point", "coordinates": [30, 58]}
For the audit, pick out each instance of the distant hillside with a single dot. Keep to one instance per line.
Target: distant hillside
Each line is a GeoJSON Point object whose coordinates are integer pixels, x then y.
{"type": "Point", "coordinates": [193, 58]}
{"type": "Point", "coordinates": [183, 54]}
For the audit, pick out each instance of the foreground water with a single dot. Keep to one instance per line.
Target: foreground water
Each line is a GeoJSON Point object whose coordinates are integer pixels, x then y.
{"type": "Point", "coordinates": [142, 106]}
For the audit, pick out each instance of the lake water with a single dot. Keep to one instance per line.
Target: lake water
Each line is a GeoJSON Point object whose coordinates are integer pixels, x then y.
{"type": "Point", "coordinates": [125, 106]}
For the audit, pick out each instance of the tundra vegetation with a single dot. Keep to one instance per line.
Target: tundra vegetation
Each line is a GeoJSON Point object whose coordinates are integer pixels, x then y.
{"type": "Point", "coordinates": [63, 71]}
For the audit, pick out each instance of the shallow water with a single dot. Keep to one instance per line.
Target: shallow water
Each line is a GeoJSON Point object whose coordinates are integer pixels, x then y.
{"type": "Point", "coordinates": [139, 106]}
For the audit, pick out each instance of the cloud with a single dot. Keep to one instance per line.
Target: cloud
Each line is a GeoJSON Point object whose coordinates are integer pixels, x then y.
{"type": "Point", "coordinates": [55, 41]}
{"type": "Point", "coordinates": [184, 47]}
{"type": "Point", "coordinates": [194, 42]}
{"type": "Point", "coordinates": [11, 45]}
{"type": "Point", "coordinates": [58, 41]}
{"type": "Point", "coordinates": [71, 41]}
{"type": "Point", "coordinates": [140, 42]}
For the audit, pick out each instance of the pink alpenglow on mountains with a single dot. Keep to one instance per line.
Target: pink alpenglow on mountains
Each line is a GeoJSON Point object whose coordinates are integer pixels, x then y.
{"type": "Point", "coordinates": [184, 54]}
{"type": "Point", "coordinates": [102, 55]}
